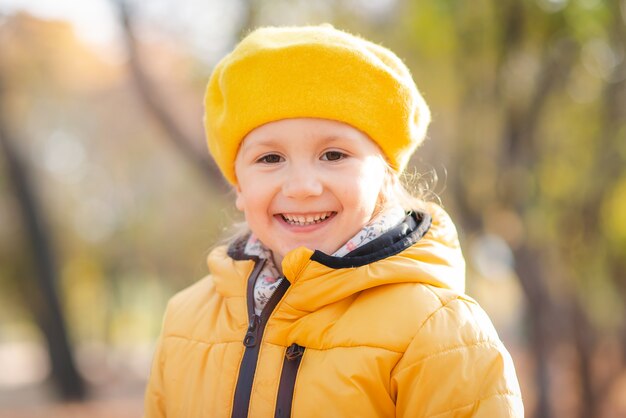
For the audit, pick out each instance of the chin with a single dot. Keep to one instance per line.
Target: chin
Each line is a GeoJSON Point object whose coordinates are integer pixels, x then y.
{"type": "Point", "coordinates": [310, 246]}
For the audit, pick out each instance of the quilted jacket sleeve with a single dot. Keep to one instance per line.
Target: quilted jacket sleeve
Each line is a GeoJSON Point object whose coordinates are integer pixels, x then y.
{"type": "Point", "coordinates": [456, 366]}
{"type": "Point", "coordinates": [154, 401]}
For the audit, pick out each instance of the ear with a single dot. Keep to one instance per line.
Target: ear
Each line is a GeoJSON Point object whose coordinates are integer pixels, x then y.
{"type": "Point", "coordinates": [239, 200]}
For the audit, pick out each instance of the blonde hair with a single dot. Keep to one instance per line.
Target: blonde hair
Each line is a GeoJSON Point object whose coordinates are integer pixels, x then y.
{"type": "Point", "coordinates": [410, 191]}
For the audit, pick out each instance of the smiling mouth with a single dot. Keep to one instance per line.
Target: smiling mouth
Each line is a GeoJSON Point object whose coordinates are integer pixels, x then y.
{"type": "Point", "coordinates": [308, 219]}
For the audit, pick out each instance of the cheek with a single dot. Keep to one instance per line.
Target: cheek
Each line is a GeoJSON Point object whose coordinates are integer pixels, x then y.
{"type": "Point", "coordinates": [368, 185]}
{"type": "Point", "coordinates": [252, 202]}
{"type": "Point", "coordinates": [373, 179]}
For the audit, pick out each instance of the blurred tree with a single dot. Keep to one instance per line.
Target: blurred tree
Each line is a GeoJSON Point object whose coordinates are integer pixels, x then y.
{"type": "Point", "coordinates": [40, 292]}
{"type": "Point", "coordinates": [528, 146]}
{"type": "Point", "coordinates": [155, 104]}
{"type": "Point", "coordinates": [66, 101]}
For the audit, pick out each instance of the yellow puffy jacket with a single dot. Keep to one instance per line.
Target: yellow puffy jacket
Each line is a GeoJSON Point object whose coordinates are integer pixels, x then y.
{"type": "Point", "coordinates": [383, 332]}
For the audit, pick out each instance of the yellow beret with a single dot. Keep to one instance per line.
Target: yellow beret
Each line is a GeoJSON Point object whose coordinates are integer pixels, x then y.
{"type": "Point", "coordinates": [315, 72]}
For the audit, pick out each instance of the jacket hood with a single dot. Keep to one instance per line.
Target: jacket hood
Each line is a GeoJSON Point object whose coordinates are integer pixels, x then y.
{"type": "Point", "coordinates": [427, 251]}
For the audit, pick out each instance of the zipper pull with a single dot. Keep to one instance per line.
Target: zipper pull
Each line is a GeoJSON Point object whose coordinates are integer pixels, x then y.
{"type": "Point", "coordinates": [294, 351]}
{"type": "Point", "coordinates": [250, 339]}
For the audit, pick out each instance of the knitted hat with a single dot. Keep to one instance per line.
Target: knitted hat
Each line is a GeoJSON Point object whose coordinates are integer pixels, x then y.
{"type": "Point", "coordinates": [315, 72]}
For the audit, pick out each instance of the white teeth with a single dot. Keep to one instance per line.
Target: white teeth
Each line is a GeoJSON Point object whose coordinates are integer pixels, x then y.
{"type": "Point", "coordinates": [303, 220]}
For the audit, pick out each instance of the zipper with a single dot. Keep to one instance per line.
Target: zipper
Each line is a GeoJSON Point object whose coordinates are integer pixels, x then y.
{"type": "Point", "coordinates": [291, 364]}
{"type": "Point", "coordinates": [252, 341]}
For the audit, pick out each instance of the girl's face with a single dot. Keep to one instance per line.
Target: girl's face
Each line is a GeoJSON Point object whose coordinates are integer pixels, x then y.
{"type": "Point", "coordinates": [307, 182]}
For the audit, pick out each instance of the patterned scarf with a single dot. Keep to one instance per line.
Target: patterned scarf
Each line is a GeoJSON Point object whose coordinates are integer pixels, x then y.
{"type": "Point", "coordinates": [269, 278]}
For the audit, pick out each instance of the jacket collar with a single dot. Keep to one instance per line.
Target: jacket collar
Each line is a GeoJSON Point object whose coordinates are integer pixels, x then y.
{"type": "Point", "coordinates": [411, 253]}
{"type": "Point", "coordinates": [397, 239]}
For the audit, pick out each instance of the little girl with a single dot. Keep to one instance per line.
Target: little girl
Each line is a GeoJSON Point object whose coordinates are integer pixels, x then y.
{"type": "Point", "coordinates": [346, 296]}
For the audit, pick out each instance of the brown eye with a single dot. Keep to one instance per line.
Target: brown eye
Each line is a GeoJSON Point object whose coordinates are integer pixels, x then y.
{"type": "Point", "coordinates": [333, 156]}
{"type": "Point", "coordinates": [271, 159]}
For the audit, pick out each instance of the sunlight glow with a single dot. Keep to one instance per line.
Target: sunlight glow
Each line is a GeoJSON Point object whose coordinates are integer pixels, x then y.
{"type": "Point", "coordinates": [94, 20]}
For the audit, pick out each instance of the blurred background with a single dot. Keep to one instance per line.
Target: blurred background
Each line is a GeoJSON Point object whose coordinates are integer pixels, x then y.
{"type": "Point", "coordinates": [109, 203]}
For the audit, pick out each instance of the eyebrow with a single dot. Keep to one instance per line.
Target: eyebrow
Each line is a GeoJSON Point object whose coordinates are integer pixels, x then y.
{"type": "Point", "coordinates": [331, 138]}
{"type": "Point", "coordinates": [273, 142]}
{"type": "Point", "coordinates": [244, 147]}
{"type": "Point", "coordinates": [263, 142]}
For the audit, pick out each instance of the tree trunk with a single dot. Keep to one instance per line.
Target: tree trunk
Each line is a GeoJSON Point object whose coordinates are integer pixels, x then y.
{"type": "Point", "coordinates": [46, 307]}
{"type": "Point", "coordinates": [148, 93]}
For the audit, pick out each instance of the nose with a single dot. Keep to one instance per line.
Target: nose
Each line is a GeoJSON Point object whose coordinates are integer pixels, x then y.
{"type": "Point", "coordinates": [302, 181]}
